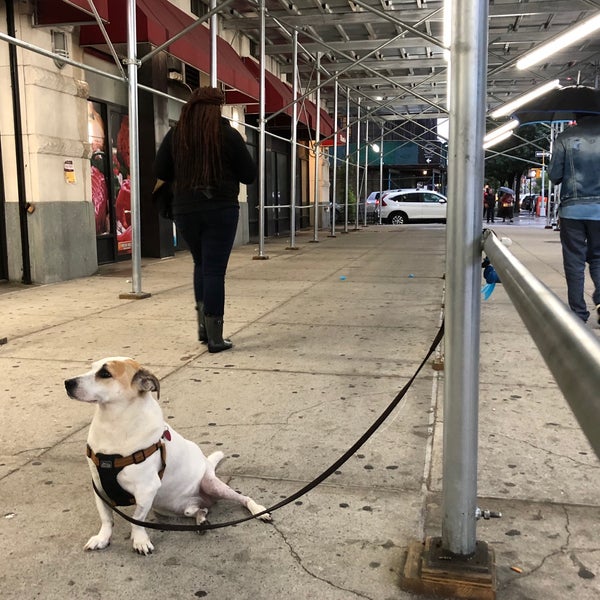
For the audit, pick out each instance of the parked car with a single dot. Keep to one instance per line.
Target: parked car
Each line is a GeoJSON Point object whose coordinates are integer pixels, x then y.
{"type": "Point", "coordinates": [413, 205]}
{"type": "Point", "coordinates": [372, 204]}
{"type": "Point", "coordinates": [388, 192]}
{"type": "Point", "coordinates": [526, 201]}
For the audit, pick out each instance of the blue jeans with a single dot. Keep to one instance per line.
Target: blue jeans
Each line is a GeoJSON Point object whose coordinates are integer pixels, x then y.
{"type": "Point", "coordinates": [580, 244]}
{"type": "Point", "coordinates": [209, 235]}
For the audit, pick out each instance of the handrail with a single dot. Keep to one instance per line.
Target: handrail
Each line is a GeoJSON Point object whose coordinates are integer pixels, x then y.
{"type": "Point", "coordinates": [570, 350]}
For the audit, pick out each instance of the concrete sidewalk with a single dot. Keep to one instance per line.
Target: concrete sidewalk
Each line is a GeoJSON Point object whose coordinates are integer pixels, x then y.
{"type": "Point", "coordinates": [324, 339]}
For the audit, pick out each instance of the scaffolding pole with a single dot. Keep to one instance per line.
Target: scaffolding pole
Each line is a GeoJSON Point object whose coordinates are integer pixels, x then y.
{"type": "Point", "coordinates": [335, 158]}
{"type": "Point", "coordinates": [317, 182]}
{"type": "Point", "coordinates": [294, 140]}
{"type": "Point", "coordinates": [134, 167]}
{"type": "Point", "coordinates": [458, 564]}
{"type": "Point", "coordinates": [261, 140]}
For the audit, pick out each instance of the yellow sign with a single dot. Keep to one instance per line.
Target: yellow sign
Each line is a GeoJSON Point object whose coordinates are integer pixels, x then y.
{"type": "Point", "coordinates": [69, 171]}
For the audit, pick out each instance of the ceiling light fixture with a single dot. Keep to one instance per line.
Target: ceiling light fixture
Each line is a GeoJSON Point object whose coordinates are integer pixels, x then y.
{"type": "Point", "coordinates": [558, 43]}
{"type": "Point", "coordinates": [510, 107]}
{"type": "Point", "coordinates": [497, 140]}
{"type": "Point", "coordinates": [500, 131]}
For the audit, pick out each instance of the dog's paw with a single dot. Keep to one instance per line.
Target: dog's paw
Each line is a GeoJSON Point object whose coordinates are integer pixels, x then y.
{"type": "Point", "coordinates": [201, 515]}
{"type": "Point", "coordinates": [255, 508]}
{"type": "Point", "coordinates": [97, 542]}
{"type": "Point", "coordinates": [142, 545]}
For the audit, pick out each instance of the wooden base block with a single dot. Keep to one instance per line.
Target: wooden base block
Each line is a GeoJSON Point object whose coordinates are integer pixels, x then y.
{"type": "Point", "coordinates": [134, 295]}
{"type": "Point", "coordinates": [429, 570]}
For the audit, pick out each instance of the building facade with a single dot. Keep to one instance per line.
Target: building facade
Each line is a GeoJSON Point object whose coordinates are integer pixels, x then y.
{"type": "Point", "coordinates": [65, 204]}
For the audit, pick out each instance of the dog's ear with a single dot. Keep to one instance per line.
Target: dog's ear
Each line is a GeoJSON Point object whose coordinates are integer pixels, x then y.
{"type": "Point", "coordinates": [146, 382]}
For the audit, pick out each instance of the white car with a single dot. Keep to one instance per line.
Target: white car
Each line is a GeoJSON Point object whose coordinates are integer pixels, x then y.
{"type": "Point", "coordinates": [413, 205]}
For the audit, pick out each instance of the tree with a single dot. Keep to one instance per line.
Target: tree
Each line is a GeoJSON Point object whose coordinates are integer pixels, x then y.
{"type": "Point", "coordinates": [507, 162]}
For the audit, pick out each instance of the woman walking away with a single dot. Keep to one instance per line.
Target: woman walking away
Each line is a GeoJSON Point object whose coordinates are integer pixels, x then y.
{"type": "Point", "coordinates": [206, 159]}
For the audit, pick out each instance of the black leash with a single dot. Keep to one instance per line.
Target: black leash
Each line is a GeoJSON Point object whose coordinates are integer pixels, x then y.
{"type": "Point", "coordinates": [314, 483]}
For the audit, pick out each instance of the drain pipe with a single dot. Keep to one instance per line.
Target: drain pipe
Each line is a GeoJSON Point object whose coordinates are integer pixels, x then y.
{"type": "Point", "coordinates": [18, 126]}
{"type": "Point", "coordinates": [3, 244]}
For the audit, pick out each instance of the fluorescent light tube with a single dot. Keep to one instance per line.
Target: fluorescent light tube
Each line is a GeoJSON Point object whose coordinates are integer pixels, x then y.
{"type": "Point", "coordinates": [509, 126]}
{"type": "Point", "coordinates": [510, 107]}
{"type": "Point", "coordinates": [566, 39]}
{"type": "Point", "coordinates": [497, 139]}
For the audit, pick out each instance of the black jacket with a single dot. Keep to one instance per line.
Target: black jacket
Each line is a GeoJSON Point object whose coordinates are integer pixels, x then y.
{"type": "Point", "coordinates": [238, 167]}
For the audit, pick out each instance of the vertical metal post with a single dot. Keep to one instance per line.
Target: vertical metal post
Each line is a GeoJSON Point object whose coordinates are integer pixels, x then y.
{"type": "Point", "coordinates": [366, 192]}
{"type": "Point", "coordinates": [317, 152]}
{"type": "Point", "coordinates": [357, 165]}
{"type": "Point", "coordinates": [347, 162]}
{"type": "Point", "coordinates": [134, 167]}
{"type": "Point", "coordinates": [335, 156]}
{"type": "Point", "coordinates": [463, 274]}
{"type": "Point", "coordinates": [213, 45]}
{"type": "Point", "coordinates": [261, 139]}
{"type": "Point", "coordinates": [294, 141]}
{"type": "Point", "coordinates": [549, 216]}
{"type": "Point", "coordinates": [381, 172]}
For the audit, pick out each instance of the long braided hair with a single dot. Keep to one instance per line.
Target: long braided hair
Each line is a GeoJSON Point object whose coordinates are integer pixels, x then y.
{"type": "Point", "coordinates": [197, 140]}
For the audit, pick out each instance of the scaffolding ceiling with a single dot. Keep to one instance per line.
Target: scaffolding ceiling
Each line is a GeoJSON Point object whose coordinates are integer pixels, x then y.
{"type": "Point", "coordinates": [390, 52]}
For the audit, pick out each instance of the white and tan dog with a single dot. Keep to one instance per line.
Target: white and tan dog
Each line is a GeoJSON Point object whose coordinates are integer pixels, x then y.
{"type": "Point", "coordinates": [128, 428]}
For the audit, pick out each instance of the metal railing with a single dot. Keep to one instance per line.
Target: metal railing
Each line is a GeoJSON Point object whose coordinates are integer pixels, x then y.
{"type": "Point", "coordinates": [570, 350]}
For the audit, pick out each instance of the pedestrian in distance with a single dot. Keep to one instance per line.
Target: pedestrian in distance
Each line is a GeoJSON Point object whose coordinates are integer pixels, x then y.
{"type": "Point", "coordinates": [574, 164]}
{"type": "Point", "coordinates": [206, 159]}
{"type": "Point", "coordinates": [507, 206]}
{"type": "Point", "coordinates": [489, 203]}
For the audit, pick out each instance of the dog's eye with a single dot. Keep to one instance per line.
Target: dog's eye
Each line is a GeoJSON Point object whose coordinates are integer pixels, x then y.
{"type": "Point", "coordinates": [104, 373]}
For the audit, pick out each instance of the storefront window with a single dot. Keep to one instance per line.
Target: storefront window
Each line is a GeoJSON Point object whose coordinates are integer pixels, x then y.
{"type": "Point", "coordinates": [99, 168]}
{"type": "Point", "coordinates": [121, 181]}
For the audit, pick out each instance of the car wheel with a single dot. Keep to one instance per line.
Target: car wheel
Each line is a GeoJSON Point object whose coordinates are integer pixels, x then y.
{"type": "Point", "coordinates": [398, 219]}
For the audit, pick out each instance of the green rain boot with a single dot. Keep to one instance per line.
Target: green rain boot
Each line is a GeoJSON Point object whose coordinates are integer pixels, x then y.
{"type": "Point", "coordinates": [214, 332]}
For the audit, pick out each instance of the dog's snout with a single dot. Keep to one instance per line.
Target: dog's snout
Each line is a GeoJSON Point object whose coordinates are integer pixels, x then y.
{"type": "Point", "coordinates": [70, 385]}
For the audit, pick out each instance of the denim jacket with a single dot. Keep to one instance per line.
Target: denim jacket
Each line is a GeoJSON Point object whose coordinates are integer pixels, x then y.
{"type": "Point", "coordinates": [576, 163]}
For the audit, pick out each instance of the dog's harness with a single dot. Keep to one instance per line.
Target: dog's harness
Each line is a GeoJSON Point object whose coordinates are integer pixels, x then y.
{"type": "Point", "coordinates": [110, 465]}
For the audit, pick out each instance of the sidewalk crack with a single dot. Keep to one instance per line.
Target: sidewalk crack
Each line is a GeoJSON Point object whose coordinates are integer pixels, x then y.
{"type": "Point", "coordinates": [296, 557]}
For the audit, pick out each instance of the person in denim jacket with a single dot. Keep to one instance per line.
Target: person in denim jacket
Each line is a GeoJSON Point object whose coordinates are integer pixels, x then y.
{"type": "Point", "coordinates": [575, 164]}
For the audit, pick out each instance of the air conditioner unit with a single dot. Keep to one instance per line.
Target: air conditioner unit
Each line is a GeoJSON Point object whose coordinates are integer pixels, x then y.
{"type": "Point", "coordinates": [175, 69]}
{"type": "Point", "coordinates": [179, 71]}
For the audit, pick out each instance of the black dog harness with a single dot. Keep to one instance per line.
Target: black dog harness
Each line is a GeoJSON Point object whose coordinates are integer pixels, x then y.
{"type": "Point", "coordinates": [110, 465]}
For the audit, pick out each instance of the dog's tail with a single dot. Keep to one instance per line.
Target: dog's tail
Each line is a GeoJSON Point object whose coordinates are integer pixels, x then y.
{"type": "Point", "coordinates": [215, 458]}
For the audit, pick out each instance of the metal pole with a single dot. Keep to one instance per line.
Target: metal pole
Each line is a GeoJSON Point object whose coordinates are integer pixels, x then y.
{"type": "Point", "coordinates": [213, 45]}
{"type": "Point", "coordinates": [347, 162]}
{"type": "Point", "coordinates": [381, 172]}
{"type": "Point", "coordinates": [357, 165]}
{"type": "Point", "coordinates": [463, 274]}
{"type": "Point", "coordinates": [294, 140]}
{"type": "Point", "coordinates": [261, 139]}
{"type": "Point", "coordinates": [548, 215]}
{"type": "Point", "coordinates": [317, 149]}
{"type": "Point", "coordinates": [335, 157]}
{"type": "Point", "coordinates": [134, 167]}
{"type": "Point", "coordinates": [366, 169]}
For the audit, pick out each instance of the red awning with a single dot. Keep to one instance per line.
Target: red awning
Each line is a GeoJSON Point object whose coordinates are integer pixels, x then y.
{"type": "Point", "coordinates": [326, 124]}
{"type": "Point", "coordinates": [341, 139]}
{"type": "Point", "coordinates": [279, 94]}
{"type": "Point", "coordinates": [69, 12]}
{"type": "Point", "coordinates": [158, 21]}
